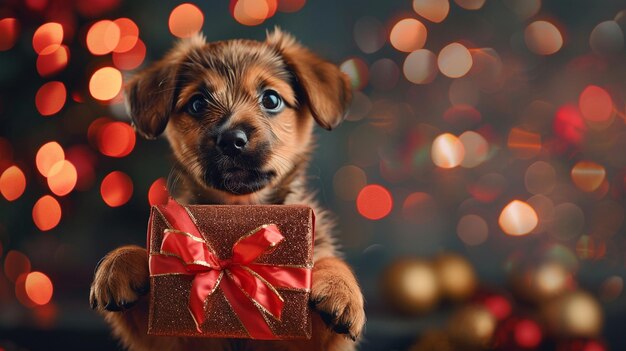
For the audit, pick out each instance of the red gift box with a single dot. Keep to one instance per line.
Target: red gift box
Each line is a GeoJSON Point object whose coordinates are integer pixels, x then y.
{"type": "Point", "coordinates": [230, 271]}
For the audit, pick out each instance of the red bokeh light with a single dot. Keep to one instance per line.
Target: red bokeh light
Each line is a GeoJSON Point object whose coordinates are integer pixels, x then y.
{"type": "Point", "coordinates": [46, 213]}
{"type": "Point", "coordinates": [116, 189]}
{"type": "Point", "coordinates": [62, 178]}
{"type": "Point", "coordinates": [103, 37]}
{"type": "Point", "coordinates": [374, 202]}
{"type": "Point", "coordinates": [116, 139]}
{"type": "Point", "coordinates": [84, 161]}
{"type": "Point", "coordinates": [50, 98]}
{"type": "Point", "coordinates": [20, 291]}
{"type": "Point", "coordinates": [158, 194]}
{"type": "Point", "coordinates": [9, 30]}
{"type": "Point", "coordinates": [527, 334]}
{"type": "Point", "coordinates": [252, 12]}
{"type": "Point", "coordinates": [47, 156]}
{"type": "Point", "coordinates": [132, 58]}
{"type": "Point", "coordinates": [499, 306]}
{"type": "Point", "coordinates": [53, 62]}
{"type": "Point", "coordinates": [568, 124]}
{"type": "Point", "coordinates": [15, 264]}
{"type": "Point", "coordinates": [12, 183]}
{"type": "Point", "coordinates": [47, 38]}
{"type": "Point", "coordinates": [290, 5]}
{"type": "Point", "coordinates": [129, 34]}
{"type": "Point", "coordinates": [38, 288]}
{"type": "Point", "coordinates": [595, 104]}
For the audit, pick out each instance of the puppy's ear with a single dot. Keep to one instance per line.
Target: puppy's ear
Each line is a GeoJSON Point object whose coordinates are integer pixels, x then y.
{"type": "Point", "coordinates": [150, 93]}
{"type": "Point", "coordinates": [322, 86]}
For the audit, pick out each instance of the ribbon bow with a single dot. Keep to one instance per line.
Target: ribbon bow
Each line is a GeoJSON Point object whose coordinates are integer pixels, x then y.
{"type": "Point", "coordinates": [249, 287]}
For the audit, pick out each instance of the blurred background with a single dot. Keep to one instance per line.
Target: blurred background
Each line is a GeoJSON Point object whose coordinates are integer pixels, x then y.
{"type": "Point", "coordinates": [478, 181]}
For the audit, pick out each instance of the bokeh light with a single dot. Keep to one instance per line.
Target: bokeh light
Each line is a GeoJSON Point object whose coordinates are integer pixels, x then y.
{"type": "Point", "coordinates": [476, 149]}
{"type": "Point", "coordinates": [158, 194]}
{"type": "Point", "coordinates": [470, 4]}
{"type": "Point", "coordinates": [543, 38]}
{"type": "Point", "coordinates": [290, 6]}
{"type": "Point", "coordinates": [419, 208]}
{"type": "Point", "coordinates": [131, 59]}
{"type": "Point", "coordinates": [39, 288]}
{"type": "Point", "coordinates": [447, 151]}
{"type": "Point", "coordinates": [116, 139]}
{"type": "Point", "coordinates": [116, 189]}
{"type": "Point", "coordinates": [607, 38]}
{"type": "Point", "coordinates": [62, 178]}
{"type": "Point", "coordinates": [524, 144]}
{"type": "Point", "coordinates": [369, 34]}
{"type": "Point", "coordinates": [595, 104]}
{"type": "Point", "coordinates": [569, 125]}
{"type": "Point", "coordinates": [16, 264]}
{"type": "Point", "coordinates": [47, 156]}
{"type": "Point", "coordinates": [9, 30]}
{"type": "Point", "coordinates": [103, 37]}
{"type": "Point", "coordinates": [433, 10]}
{"type": "Point", "coordinates": [356, 69]}
{"type": "Point", "coordinates": [53, 62]}
{"type": "Point", "coordinates": [253, 12]}
{"type": "Point", "coordinates": [420, 66]}
{"type": "Point", "coordinates": [50, 98]}
{"type": "Point", "coordinates": [185, 20]}
{"type": "Point", "coordinates": [105, 83]}
{"type": "Point", "coordinates": [384, 74]}
{"type": "Point", "coordinates": [472, 230]}
{"type": "Point", "coordinates": [84, 160]}
{"type": "Point", "coordinates": [374, 202]}
{"type": "Point", "coordinates": [129, 34]}
{"type": "Point", "coordinates": [528, 334]}
{"type": "Point", "coordinates": [47, 38]}
{"type": "Point", "coordinates": [540, 178]}
{"type": "Point", "coordinates": [348, 182]}
{"type": "Point", "coordinates": [588, 175]}
{"type": "Point", "coordinates": [46, 213]}
{"type": "Point", "coordinates": [408, 35]}
{"type": "Point", "coordinates": [454, 60]}
{"type": "Point", "coordinates": [12, 183]}
{"type": "Point", "coordinates": [518, 218]}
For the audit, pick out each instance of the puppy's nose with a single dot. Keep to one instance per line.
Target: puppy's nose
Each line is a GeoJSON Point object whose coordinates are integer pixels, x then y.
{"type": "Point", "coordinates": [232, 142]}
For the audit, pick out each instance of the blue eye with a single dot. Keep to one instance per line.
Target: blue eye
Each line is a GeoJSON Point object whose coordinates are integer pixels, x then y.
{"type": "Point", "coordinates": [271, 101]}
{"type": "Point", "coordinates": [197, 105]}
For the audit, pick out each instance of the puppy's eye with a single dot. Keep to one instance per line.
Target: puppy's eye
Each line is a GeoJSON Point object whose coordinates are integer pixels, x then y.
{"type": "Point", "coordinates": [197, 105]}
{"type": "Point", "coordinates": [271, 101]}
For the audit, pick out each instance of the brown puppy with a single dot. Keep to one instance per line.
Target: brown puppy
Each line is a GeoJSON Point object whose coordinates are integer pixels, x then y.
{"type": "Point", "coordinates": [239, 118]}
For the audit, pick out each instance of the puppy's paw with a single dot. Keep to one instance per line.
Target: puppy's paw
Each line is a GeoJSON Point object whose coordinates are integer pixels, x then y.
{"type": "Point", "coordinates": [121, 277]}
{"type": "Point", "coordinates": [335, 294]}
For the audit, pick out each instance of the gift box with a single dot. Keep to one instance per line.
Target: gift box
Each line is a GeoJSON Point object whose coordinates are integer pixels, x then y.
{"type": "Point", "coordinates": [230, 271]}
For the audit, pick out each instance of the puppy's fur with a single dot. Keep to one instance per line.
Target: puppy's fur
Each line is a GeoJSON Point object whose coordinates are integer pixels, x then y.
{"type": "Point", "coordinates": [229, 77]}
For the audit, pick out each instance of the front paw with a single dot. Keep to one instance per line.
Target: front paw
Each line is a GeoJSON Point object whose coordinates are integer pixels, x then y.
{"type": "Point", "coordinates": [121, 277]}
{"type": "Point", "coordinates": [336, 295]}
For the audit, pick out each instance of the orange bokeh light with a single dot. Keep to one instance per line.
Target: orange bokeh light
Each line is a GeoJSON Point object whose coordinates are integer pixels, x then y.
{"type": "Point", "coordinates": [103, 37]}
{"type": "Point", "coordinates": [116, 139]}
{"type": "Point", "coordinates": [38, 288]}
{"type": "Point", "coordinates": [408, 35]}
{"type": "Point", "coordinates": [54, 62]}
{"type": "Point", "coordinates": [588, 176]}
{"type": "Point", "coordinates": [9, 28]}
{"type": "Point", "coordinates": [129, 34]}
{"type": "Point", "coordinates": [290, 5]}
{"type": "Point", "coordinates": [62, 178]}
{"type": "Point", "coordinates": [116, 189]}
{"type": "Point", "coordinates": [47, 156]}
{"type": "Point", "coordinates": [518, 218]}
{"type": "Point", "coordinates": [47, 38]}
{"type": "Point", "coordinates": [524, 144]}
{"type": "Point", "coordinates": [158, 194]}
{"type": "Point", "coordinates": [46, 213]}
{"type": "Point", "coordinates": [132, 58]}
{"type": "Point", "coordinates": [253, 12]}
{"type": "Point", "coordinates": [105, 83]}
{"type": "Point", "coordinates": [50, 98]}
{"type": "Point", "coordinates": [433, 10]}
{"type": "Point", "coordinates": [12, 183]}
{"type": "Point", "coordinates": [447, 151]}
{"type": "Point", "coordinates": [15, 264]}
{"type": "Point", "coordinates": [185, 20]}
{"type": "Point", "coordinates": [374, 202]}
{"type": "Point", "coordinates": [454, 60]}
{"type": "Point", "coordinates": [543, 38]}
{"type": "Point", "coordinates": [595, 104]}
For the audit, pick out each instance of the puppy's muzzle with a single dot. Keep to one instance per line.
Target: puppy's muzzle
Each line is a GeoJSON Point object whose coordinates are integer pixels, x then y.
{"type": "Point", "coordinates": [232, 142]}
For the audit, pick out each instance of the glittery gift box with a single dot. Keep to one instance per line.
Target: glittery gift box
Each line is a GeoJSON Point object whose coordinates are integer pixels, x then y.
{"type": "Point", "coordinates": [222, 227]}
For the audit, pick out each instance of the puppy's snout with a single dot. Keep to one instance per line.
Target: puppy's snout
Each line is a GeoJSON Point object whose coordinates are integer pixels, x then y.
{"type": "Point", "coordinates": [232, 142]}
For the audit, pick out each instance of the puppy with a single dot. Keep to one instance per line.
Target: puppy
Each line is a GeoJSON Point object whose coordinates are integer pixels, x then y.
{"type": "Point", "coordinates": [239, 117]}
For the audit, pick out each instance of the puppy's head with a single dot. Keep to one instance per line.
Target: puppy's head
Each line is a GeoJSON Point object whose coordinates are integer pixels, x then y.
{"type": "Point", "coordinates": [238, 114]}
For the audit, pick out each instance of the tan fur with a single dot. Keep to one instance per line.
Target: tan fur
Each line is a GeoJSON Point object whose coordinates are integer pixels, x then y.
{"type": "Point", "coordinates": [232, 71]}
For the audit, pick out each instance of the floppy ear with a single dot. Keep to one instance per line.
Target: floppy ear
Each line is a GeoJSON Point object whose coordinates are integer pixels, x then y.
{"type": "Point", "coordinates": [319, 83]}
{"type": "Point", "coordinates": [150, 93]}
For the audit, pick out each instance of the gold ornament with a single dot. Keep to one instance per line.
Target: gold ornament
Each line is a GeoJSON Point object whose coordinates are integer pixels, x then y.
{"type": "Point", "coordinates": [575, 314]}
{"type": "Point", "coordinates": [411, 286]}
{"type": "Point", "coordinates": [457, 278]}
{"type": "Point", "coordinates": [543, 283]}
{"type": "Point", "coordinates": [472, 328]}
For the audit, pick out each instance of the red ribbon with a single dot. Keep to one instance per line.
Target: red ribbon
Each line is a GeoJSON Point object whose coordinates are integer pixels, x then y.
{"type": "Point", "coordinates": [248, 286]}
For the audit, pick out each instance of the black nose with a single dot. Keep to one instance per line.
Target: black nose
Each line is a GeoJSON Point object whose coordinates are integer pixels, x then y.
{"type": "Point", "coordinates": [232, 142]}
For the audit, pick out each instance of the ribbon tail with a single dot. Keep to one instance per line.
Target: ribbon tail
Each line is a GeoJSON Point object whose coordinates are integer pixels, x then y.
{"type": "Point", "coordinates": [260, 291]}
{"type": "Point", "coordinates": [298, 278]}
{"type": "Point", "coordinates": [202, 286]}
